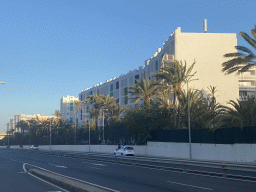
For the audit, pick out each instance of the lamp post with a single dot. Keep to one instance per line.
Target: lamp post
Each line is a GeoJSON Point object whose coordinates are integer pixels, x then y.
{"type": "Point", "coordinates": [103, 126]}
{"type": "Point", "coordinates": [89, 136]}
{"type": "Point", "coordinates": [8, 134]}
{"type": "Point", "coordinates": [50, 136]}
{"type": "Point", "coordinates": [29, 134]}
{"type": "Point", "coordinates": [189, 130]}
{"type": "Point", "coordinates": [2, 83]}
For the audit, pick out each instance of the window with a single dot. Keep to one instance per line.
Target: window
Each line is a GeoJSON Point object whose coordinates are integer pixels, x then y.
{"type": "Point", "coordinates": [243, 93]}
{"type": "Point", "coordinates": [71, 101]}
{"type": "Point", "coordinates": [71, 108]}
{"type": "Point", "coordinates": [126, 100]}
{"type": "Point", "coordinates": [71, 119]}
{"type": "Point", "coordinates": [117, 101]}
{"type": "Point", "coordinates": [156, 65]}
{"type": "Point", "coordinates": [125, 91]}
{"type": "Point", "coordinates": [136, 77]}
{"type": "Point", "coordinates": [252, 72]}
{"type": "Point", "coordinates": [111, 94]}
{"type": "Point", "coordinates": [91, 93]}
{"type": "Point", "coordinates": [117, 85]}
{"type": "Point", "coordinates": [111, 87]}
{"type": "Point", "coordinates": [98, 91]}
{"type": "Point", "coordinates": [81, 97]}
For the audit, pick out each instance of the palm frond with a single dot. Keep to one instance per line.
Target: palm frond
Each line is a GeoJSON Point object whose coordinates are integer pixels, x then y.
{"type": "Point", "coordinates": [247, 38]}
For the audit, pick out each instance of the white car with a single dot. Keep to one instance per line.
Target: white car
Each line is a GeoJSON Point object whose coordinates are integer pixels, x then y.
{"type": "Point", "coordinates": [125, 151]}
{"type": "Point", "coordinates": [34, 147]}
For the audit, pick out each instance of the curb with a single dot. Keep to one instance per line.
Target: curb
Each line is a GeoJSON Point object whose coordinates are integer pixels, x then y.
{"type": "Point", "coordinates": [65, 182]}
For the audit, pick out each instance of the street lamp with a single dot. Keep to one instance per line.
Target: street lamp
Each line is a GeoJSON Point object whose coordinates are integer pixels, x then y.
{"type": "Point", "coordinates": [29, 134]}
{"type": "Point", "coordinates": [8, 134]}
{"type": "Point", "coordinates": [2, 83]}
{"type": "Point", "coordinates": [103, 126]}
{"type": "Point", "coordinates": [89, 135]}
{"type": "Point", "coordinates": [50, 136]}
{"type": "Point", "coordinates": [189, 129]}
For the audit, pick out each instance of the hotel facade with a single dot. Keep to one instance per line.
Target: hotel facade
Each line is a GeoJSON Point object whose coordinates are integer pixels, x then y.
{"type": "Point", "coordinates": [206, 49]}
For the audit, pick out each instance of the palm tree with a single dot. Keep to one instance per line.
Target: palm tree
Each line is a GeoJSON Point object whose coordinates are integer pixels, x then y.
{"type": "Point", "coordinates": [22, 125]}
{"type": "Point", "coordinates": [241, 114]}
{"type": "Point", "coordinates": [212, 90]}
{"type": "Point", "coordinates": [97, 104]}
{"type": "Point", "coordinates": [107, 102]}
{"type": "Point", "coordinates": [243, 60]}
{"type": "Point", "coordinates": [174, 73]}
{"type": "Point", "coordinates": [58, 115]}
{"type": "Point", "coordinates": [77, 107]}
{"type": "Point", "coordinates": [144, 91]}
{"type": "Point", "coordinates": [202, 111]}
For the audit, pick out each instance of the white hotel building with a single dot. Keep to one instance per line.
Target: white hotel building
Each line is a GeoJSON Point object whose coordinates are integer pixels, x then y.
{"type": "Point", "coordinates": [207, 49]}
{"type": "Point", "coordinates": [23, 117]}
{"type": "Point", "coordinates": [67, 107]}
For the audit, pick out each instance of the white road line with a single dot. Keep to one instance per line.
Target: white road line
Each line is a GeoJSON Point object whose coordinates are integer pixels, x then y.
{"type": "Point", "coordinates": [61, 166]}
{"type": "Point", "coordinates": [108, 189]}
{"type": "Point", "coordinates": [99, 164]}
{"type": "Point", "coordinates": [64, 190]}
{"type": "Point", "coordinates": [94, 167]}
{"type": "Point", "coordinates": [189, 185]}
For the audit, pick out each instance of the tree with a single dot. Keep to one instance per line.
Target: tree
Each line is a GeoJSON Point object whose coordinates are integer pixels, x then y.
{"type": "Point", "coordinates": [77, 107]}
{"type": "Point", "coordinates": [202, 110]}
{"type": "Point", "coordinates": [97, 104]}
{"type": "Point", "coordinates": [241, 114]}
{"type": "Point", "coordinates": [244, 59]}
{"type": "Point", "coordinates": [58, 115]}
{"type": "Point", "coordinates": [174, 73]}
{"type": "Point", "coordinates": [144, 91]}
{"type": "Point", "coordinates": [22, 125]}
{"type": "Point", "coordinates": [107, 103]}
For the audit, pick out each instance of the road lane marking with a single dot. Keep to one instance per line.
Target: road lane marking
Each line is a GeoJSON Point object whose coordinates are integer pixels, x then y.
{"type": "Point", "coordinates": [99, 164]}
{"type": "Point", "coordinates": [92, 184]}
{"type": "Point", "coordinates": [94, 167]}
{"type": "Point", "coordinates": [189, 185]}
{"type": "Point", "coordinates": [64, 190]}
{"type": "Point", "coordinates": [61, 166]}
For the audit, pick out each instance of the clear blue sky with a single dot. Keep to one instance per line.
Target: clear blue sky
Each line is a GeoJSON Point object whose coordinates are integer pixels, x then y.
{"type": "Point", "coordinates": [54, 48]}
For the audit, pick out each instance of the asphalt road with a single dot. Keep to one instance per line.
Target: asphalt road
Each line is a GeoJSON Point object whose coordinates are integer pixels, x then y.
{"type": "Point", "coordinates": [14, 179]}
{"type": "Point", "coordinates": [125, 177]}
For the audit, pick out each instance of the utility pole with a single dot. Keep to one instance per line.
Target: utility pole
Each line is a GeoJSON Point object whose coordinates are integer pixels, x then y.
{"type": "Point", "coordinates": [89, 136]}
{"type": "Point", "coordinates": [103, 127]}
{"type": "Point", "coordinates": [8, 134]}
{"type": "Point", "coordinates": [50, 136]}
{"type": "Point", "coordinates": [189, 130]}
{"type": "Point", "coordinates": [29, 134]}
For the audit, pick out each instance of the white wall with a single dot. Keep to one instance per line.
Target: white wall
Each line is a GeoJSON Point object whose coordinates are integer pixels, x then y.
{"type": "Point", "coordinates": [220, 152]}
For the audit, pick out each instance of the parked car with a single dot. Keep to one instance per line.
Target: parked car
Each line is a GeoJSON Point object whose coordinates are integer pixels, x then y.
{"type": "Point", "coordinates": [34, 147]}
{"type": "Point", "coordinates": [125, 151]}
{"type": "Point", "coordinates": [20, 147]}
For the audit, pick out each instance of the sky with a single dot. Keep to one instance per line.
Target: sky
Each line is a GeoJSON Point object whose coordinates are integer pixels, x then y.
{"type": "Point", "coordinates": [55, 48]}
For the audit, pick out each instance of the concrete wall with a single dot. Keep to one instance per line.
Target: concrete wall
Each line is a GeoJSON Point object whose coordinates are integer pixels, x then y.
{"type": "Point", "coordinates": [219, 152]}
